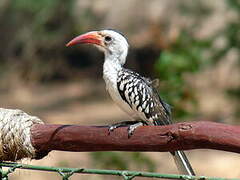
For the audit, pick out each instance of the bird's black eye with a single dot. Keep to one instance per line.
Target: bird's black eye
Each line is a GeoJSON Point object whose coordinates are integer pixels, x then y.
{"type": "Point", "coordinates": [108, 38]}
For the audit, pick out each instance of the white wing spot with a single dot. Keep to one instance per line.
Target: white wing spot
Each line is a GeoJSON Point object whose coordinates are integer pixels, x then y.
{"type": "Point", "coordinates": [135, 90]}
{"type": "Point", "coordinates": [143, 97]}
{"type": "Point", "coordinates": [132, 97]}
{"type": "Point", "coordinates": [151, 104]}
{"type": "Point", "coordinates": [137, 102]}
{"type": "Point", "coordinates": [121, 86]}
{"type": "Point", "coordinates": [147, 109]}
{"type": "Point", "coordinates": [144, 104]}
{"type": "Point", "coordinates": [140, 108]}
{"type": "Point", "coordinates": [126, 95]}
{"type": "Point", "coordinates": [137, 97]}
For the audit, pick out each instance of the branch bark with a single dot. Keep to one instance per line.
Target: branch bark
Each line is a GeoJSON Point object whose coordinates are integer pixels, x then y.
{"type": "Point", "coordinates": [180, 136]}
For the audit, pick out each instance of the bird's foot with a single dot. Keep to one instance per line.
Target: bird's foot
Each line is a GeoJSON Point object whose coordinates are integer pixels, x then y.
{"type": "Point", "coordinates": [133, 127]}
{"type": "Point", "coordinates": [120, 124]}
{"type": "Point", "coordinates": [113, 127]}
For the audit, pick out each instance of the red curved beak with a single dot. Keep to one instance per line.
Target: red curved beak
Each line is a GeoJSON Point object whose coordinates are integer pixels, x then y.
{"type": "Point", "coordinates": [90, 38]}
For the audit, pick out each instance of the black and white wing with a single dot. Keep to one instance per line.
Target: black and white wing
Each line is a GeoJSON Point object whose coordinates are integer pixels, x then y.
{"type": "Point", "coordinates": [141, 95]}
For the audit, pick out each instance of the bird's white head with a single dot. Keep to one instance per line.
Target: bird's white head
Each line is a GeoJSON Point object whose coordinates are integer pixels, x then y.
{"type": "Point", "coordinates": [112, 43]}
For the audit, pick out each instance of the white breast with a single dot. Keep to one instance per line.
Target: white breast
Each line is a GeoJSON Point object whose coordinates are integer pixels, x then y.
{"type": "Point", "coordinates": [110, 73]}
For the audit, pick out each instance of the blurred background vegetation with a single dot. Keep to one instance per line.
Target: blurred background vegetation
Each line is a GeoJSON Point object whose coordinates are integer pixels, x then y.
{"type": "Point", "coordinates": [191, 46]}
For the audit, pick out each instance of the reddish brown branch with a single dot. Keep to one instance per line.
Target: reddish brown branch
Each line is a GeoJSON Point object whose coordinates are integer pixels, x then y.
{"type": "Point", "coordinates": [181, 136]}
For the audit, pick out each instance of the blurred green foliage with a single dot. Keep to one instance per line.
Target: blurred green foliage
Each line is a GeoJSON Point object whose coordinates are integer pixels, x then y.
{"type": "Point", "coordinates": [185, 56]}
{"type": "Point", "coordinates": [35, 33]}
{"type": "Point", "coordinates": [188, 55]}
{"type": "Point", "coordinates": [232, 32]}
{"type": "Point", "coordinates": [123, 160]}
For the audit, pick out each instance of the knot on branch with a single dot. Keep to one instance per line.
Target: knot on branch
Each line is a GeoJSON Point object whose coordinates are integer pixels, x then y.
{"type": "Point", "coordinates": [185, 126]}
{"type": "Point", "coordinates": [15, 137]}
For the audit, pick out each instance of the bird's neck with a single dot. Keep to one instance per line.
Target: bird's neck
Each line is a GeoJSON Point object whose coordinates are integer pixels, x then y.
{"type": "Point", "coordinates": [111, 67]}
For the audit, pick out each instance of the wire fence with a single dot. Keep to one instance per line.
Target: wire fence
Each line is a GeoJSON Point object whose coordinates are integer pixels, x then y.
{"type": "Point", "coordinates": [66, 173]}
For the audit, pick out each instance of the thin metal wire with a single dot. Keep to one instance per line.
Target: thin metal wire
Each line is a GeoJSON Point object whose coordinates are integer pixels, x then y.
{"type": "Point", "coordinates": [4, 174]}
{"type": "Point", "coordinates": [66, 173]}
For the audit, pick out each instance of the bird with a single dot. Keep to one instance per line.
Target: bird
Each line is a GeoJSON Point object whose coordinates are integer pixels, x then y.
{"type": "Point", "coordinates": [136, 95]}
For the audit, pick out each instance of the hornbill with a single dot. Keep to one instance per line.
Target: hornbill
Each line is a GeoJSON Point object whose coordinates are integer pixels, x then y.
{"type": "Point", "coordinates": [134, 94]}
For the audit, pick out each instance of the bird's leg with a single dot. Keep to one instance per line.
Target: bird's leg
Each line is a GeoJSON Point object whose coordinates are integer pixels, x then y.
{"type": "Point", "coordinates": [121, 124]}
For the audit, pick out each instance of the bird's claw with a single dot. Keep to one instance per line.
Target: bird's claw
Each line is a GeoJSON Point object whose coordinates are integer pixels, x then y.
{"type": "Point", "coordinates": [111, 128]}
{"type": "Point", "coordinates": [133, 127]}
{"type": "Point", "coordinates": [130, 130]}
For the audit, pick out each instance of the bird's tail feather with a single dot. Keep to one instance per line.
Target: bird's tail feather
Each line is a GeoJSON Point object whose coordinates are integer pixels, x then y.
{"type": "Point", "coordinates": [182, 163]}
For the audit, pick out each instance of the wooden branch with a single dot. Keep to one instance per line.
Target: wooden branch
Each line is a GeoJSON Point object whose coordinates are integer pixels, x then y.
{"type": "Point", "coordinates": [180, 136]}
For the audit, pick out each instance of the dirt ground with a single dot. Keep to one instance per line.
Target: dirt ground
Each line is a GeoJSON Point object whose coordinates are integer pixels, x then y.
{"type": "Point", "coordinates": [74, 103]}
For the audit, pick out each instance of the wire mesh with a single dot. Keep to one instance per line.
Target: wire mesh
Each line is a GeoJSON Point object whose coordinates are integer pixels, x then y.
{"type": "Point", "coordinates": [66, 173]}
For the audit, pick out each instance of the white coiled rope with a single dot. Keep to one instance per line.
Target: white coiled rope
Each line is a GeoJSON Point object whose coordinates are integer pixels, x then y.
{"type": "Point", "coordinates": [15, 135]}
